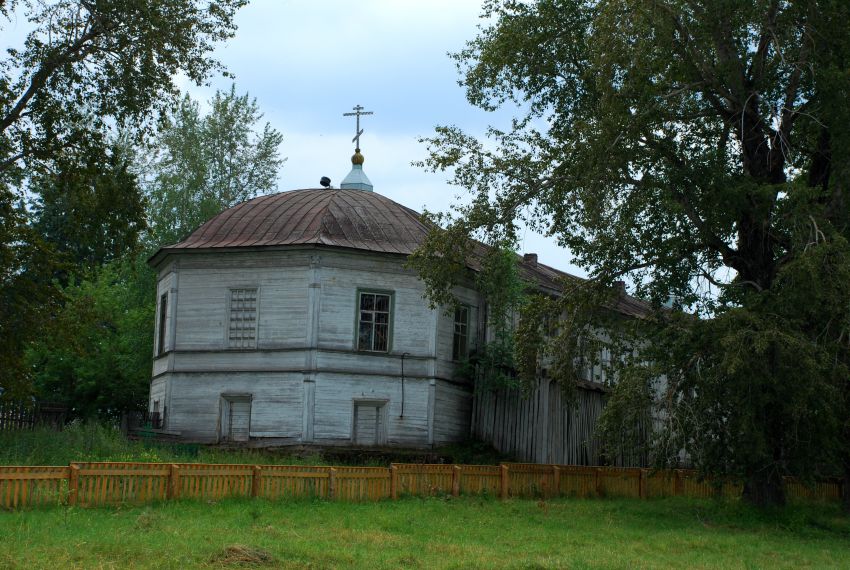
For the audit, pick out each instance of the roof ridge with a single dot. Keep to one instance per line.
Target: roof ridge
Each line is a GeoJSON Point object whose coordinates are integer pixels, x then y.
{"type": "Point", "coordinates": [323, 231]}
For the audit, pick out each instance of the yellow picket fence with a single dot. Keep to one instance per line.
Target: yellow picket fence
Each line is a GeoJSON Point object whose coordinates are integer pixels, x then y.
{"type": "Point", "coordinates": [109, 483]}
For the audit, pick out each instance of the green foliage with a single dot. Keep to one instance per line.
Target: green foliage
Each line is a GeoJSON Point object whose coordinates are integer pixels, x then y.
{"type": "Point", "coordinates": [86, 71]}
{"type": "Point", "coordinates": [96, 355]}
{"type": "Point", "coordinates": [205, 164]}
{"type": "Point", "coordinates": [441, 261]}
{"type": "Point", "coordinates": [90, 206]}
{"type": "Point", "coordinates": [702, 153]}
{"type": "Point", "coordinates": [98, 441]}
{"type": "Point", "coordinates": [88, 65]}
{"type": "Point", "coordinates": [27, 293]}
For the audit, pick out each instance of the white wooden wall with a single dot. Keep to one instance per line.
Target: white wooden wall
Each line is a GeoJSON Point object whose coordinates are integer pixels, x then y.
{"type": "Point", "coordinates": [196, 399]}
{"type": "Point", "coordinates": [303, 391]}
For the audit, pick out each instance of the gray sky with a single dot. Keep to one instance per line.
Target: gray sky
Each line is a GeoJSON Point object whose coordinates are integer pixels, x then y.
{"type": "Point", "coordinates": [308, 62]}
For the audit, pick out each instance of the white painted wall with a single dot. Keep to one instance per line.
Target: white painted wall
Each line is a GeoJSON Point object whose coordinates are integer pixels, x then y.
{"type": "Point", "coordinates": [201, 368]}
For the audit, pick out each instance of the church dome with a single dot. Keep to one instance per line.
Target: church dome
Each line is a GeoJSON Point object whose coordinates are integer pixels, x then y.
{"type": "Point", "coordinates": [342, 218]}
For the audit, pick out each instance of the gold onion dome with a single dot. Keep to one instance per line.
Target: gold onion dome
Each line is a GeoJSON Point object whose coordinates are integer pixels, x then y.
{"type": "Point", "coordinates": [357, 158]}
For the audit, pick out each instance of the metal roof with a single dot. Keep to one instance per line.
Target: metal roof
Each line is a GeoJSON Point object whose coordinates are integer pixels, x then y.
{"type": "Point", "coordinates": [351, 219]}
{"type": "Point", "coordinates": [343, 218]}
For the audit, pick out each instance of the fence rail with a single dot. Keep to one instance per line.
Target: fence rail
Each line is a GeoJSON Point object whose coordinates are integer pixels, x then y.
{"type": "Point", "coordinates": [109, 483]}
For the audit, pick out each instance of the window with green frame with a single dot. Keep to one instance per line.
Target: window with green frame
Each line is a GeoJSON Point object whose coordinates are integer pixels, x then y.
{"type": "Point", "coordinates": [373, 321]}
{"type": "Point", "coordinates": [460, 340]}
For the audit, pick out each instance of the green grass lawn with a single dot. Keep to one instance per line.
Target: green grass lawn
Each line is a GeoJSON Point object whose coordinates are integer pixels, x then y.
{"type": "Point", "coordinates": [429, 533]}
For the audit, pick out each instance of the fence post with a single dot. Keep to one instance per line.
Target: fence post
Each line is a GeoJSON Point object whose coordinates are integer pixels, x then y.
{"type": "Point", "coordinates": [642, 484]}
{"type": "Point", "coordinates": [456, 480]}
{"type": "Point", "coordinates": [256, 478]}
{"type": "Point", "coordinates": [505, 482]}
{"type": "Point", "coordinates": [598, 482]}
{"type": "Point", "coordinates": [393, 482]}
{"type": "Point", "coordinates": [73, 484]}
{"type": "Point", "coordinates": [173, 481]}
{"type": "Point", "coordinates": [679, 487]}
{"type": "Point", "coordinates": [556, 483]}
{"type": "Point", "coordinates": [332, 483]}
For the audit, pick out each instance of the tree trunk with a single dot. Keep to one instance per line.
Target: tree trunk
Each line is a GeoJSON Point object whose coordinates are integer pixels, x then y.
{"type": "Point", "coordinates": [764, 489]}
{"type": "Point", "coordinates": [845, 489]}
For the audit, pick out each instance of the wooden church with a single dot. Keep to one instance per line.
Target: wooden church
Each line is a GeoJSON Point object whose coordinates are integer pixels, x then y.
{"type": "Point", "coordinates": [291, 319]}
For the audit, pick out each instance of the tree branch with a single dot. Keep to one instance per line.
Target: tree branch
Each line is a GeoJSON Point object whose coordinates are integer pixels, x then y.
{"type": "Point", "coordinates": [77, 51]}
{"type": "Point", "coordinates": [717, 283]}
{"type": "Point", "coordinates": [789, 113]}
{"type": "Point", "coordinates": [710, 238]}
{"type": "Point", "coordinates": [756, 71]}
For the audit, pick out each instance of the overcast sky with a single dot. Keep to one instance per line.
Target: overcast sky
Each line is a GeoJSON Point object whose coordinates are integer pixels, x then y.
{"type": "Point", "coordinates": [307, 63]}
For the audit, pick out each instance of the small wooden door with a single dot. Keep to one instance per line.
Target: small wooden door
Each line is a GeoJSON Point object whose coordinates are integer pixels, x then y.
{"type": "Point", "coordinates": [239, 420]}
{"type": "Point", "coordinates": [369, 423]}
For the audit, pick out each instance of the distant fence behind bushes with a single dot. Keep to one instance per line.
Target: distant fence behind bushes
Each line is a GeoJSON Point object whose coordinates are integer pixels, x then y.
{"type": "Point", "coordinates": [16, 415]}
{"type": "Point", "coordinates": [108, 483]}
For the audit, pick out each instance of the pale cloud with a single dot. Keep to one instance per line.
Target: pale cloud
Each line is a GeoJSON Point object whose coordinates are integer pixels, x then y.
{"type": "Point", "coordinates": [309, 62]}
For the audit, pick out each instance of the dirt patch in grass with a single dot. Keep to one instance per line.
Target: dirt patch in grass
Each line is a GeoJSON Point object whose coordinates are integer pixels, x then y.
{"type": "Point", "coordinates": [241, 555]}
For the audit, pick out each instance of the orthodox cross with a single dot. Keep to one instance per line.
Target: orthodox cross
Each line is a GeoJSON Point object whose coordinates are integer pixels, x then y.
{"type": "Point", "coordinates": [358, 110]}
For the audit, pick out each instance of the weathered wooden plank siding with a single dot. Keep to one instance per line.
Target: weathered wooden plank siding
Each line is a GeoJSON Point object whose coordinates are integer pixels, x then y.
{"type": "Point", "coordinates": [238, 360]}
{"type": "Point", "coordinates": [203, 315]}
{"type": "Point", "coordinates": [336, 395]}
{"type": "Point", "coordinates": [452, 413]}
{"type": "Point", "coordinates": [276, 407]}
{"type": "Point", "coordinates": [338, 316]}
{"type": "Point", "coordinates": [304, 380]}
{"type": "Point", "coordinates": [543, 427]}
{"type": "Point", "coordinates": [158, 392]}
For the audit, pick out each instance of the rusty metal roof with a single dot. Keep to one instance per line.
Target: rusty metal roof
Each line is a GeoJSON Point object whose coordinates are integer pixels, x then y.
{"type": "Point", "coordinates": [553, 279]}
{"type": "Point", "coordinates": [344, 218]}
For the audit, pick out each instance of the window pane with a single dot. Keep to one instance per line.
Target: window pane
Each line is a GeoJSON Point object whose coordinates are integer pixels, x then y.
{"type": "Point", "coordinates": [367, 302]}
{"type": "Point", "coordinates": [364, 338]}
{"type": "Point", "coordinates": [382, 303]}
{"type": "Point", "coordinates": [460, 337]}
{"type": "Point", "coordinates": [380, 338]}
{"type": "Point", "coordinates": [163, 311]}
{"type": "Point", "coordinates": [373, 322]}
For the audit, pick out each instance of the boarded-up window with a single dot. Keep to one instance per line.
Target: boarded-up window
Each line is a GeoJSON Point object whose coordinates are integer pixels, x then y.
{"type": "Point", "coordinates": [243, 318]}
{"type": "Point", "coordinates": [163, 312]}
{"type": "Point", "coordinates": [460, 340]}
{"type": "Point", "coordinates": [373, 322]}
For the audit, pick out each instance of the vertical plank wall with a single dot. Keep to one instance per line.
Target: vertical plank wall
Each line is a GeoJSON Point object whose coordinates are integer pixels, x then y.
{"type": "Point", "coordinates": [544, 426]}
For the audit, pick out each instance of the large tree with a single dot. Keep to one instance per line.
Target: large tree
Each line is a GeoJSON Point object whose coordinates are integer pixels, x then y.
{"type": "Point", "coordinates": [89, 206]}
{"type": "Point", "coordinates": [90, 64]}
{"type": "Point", "coordinates": [85, 68]}
{"type": "Point", "coordinates": [96, 352]}
{"type": "Point", "coordinates": [700, 151]}
{"type": "Point", "coordinates": [204, 163]}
